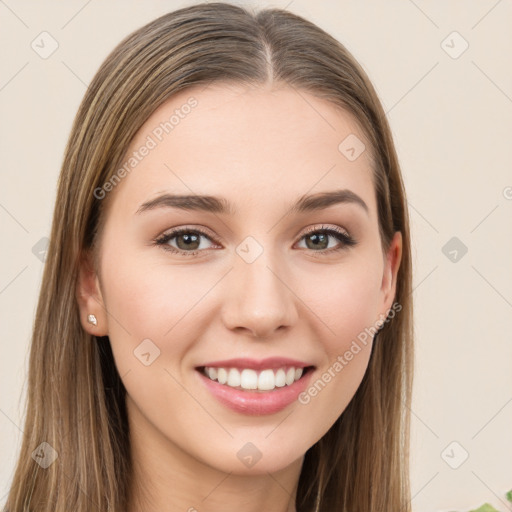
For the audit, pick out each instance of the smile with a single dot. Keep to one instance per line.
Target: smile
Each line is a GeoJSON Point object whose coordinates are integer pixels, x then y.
{"type": "Point", "coordinates": [255, 392]}
{"type": "Point", "coordinates": [249, 379]}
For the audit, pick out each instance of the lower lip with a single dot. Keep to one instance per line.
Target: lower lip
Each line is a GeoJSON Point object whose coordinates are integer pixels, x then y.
{"type": "Point", "coordinates": [256, 403]}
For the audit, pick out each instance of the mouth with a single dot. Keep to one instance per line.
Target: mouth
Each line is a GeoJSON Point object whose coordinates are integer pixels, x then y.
{"type": "Point", "coordinates": [261, 392]}
{"type": "Point", "coordinates": [256, 381]}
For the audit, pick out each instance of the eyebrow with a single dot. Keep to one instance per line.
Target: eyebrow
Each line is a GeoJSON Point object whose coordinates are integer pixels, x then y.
{"type": "Point", "coordinates": [306, 203]}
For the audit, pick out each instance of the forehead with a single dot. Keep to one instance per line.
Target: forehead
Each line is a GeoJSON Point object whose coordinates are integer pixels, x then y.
{"type": "Point", "coordinates": [251, 143]}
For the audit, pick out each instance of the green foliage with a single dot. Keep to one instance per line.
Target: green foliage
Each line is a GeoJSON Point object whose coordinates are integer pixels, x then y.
{"type": "Point", "coordinates": [489, 508]}
{"type": "Point", "coordinates": [485, 508]}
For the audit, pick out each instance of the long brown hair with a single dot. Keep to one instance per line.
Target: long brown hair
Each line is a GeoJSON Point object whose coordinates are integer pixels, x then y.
{"type": "Point", "coordinates": [76, 399]}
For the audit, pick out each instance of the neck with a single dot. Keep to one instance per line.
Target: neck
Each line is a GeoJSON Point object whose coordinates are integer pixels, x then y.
{"type": "Point", "coordinates": [167, 479]}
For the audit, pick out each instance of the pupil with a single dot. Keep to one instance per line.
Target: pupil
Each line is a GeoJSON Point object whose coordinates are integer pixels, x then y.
{"type": "Point", "coordinates": [318, 239]}
{"type": "Point", "coordinates": [188, 239]}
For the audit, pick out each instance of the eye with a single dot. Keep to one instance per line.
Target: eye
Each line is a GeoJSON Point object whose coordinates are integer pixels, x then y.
{"type": "Point", "coordinates": [188, 241]}
{"type": "Point", "coordinates": [318, 239]}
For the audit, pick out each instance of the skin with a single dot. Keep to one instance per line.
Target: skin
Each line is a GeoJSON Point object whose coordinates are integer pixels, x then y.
{"type": "Point", "coordinates": [260, 148]}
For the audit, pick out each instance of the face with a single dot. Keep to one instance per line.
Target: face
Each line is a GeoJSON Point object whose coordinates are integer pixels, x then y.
{"type": "Point", "coordinates": [261, 286]}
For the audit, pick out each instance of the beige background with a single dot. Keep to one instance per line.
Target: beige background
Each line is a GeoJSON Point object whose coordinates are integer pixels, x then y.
{"type": "Point", "coordinates": [451, 115]}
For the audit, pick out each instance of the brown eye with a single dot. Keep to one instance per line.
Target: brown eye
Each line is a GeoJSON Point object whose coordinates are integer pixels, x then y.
{"type": "Point", "coordinates": [188, 241]}
{"type": "Point", "coordinates": [318, 239]}
{"type": "Point", "coordinates": [185, 241]}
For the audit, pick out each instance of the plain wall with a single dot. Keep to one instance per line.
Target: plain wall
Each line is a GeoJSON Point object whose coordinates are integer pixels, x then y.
{"type": "Point", "coordinates": [451, 115]}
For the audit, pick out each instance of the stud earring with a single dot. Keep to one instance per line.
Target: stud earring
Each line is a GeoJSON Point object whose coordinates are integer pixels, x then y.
{"type": "Point", "coordinates": [92, 320]}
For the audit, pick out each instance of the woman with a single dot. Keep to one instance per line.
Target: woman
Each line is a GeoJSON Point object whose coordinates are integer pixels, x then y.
{"type": "Point", "coordinates": [230, 235]}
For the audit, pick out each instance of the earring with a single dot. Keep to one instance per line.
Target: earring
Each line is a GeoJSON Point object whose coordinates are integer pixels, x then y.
{"type": "Point", "coordinates": [92, 320]}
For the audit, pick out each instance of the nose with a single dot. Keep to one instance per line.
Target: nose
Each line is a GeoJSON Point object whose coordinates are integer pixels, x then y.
{"type": "Point", "coordinates": [260, 300]}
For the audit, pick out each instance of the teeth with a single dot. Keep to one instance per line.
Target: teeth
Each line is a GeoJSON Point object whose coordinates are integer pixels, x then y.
{"type": "Point", "coordinates": [233, 378]}
{"type": "Point", "coordinates": [222, 375]}
{"type": "Point", "coordinates": [266, 380]}
{"type": "Point", "coordinates": [248, 379]}
{"type": "Point", "coordinates": [280, 379]}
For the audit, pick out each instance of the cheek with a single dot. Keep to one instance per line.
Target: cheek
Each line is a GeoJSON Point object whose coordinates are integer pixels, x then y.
{"type": "Point", "coordinates": [346, 300]}
{"type": "Point", "coordinates": [152, 300]}
{"type": "Point", "coordinates": [348, 306]}
{"type": "Point", "coordinates": [148, 298]}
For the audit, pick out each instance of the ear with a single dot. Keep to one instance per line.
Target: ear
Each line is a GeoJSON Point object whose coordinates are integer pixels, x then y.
{"type": "Point", "coordinates": [89, 298]}
{"type": "Point", "coordinates": [389, 278]}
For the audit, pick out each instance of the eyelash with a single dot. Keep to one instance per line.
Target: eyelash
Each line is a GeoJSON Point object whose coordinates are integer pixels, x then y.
{"type": "Point", "coordinates": [340, 235]}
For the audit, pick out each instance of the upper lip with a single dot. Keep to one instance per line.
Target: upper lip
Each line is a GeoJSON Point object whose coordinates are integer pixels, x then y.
{"type": "Point", "coordinates": [254, 364]}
